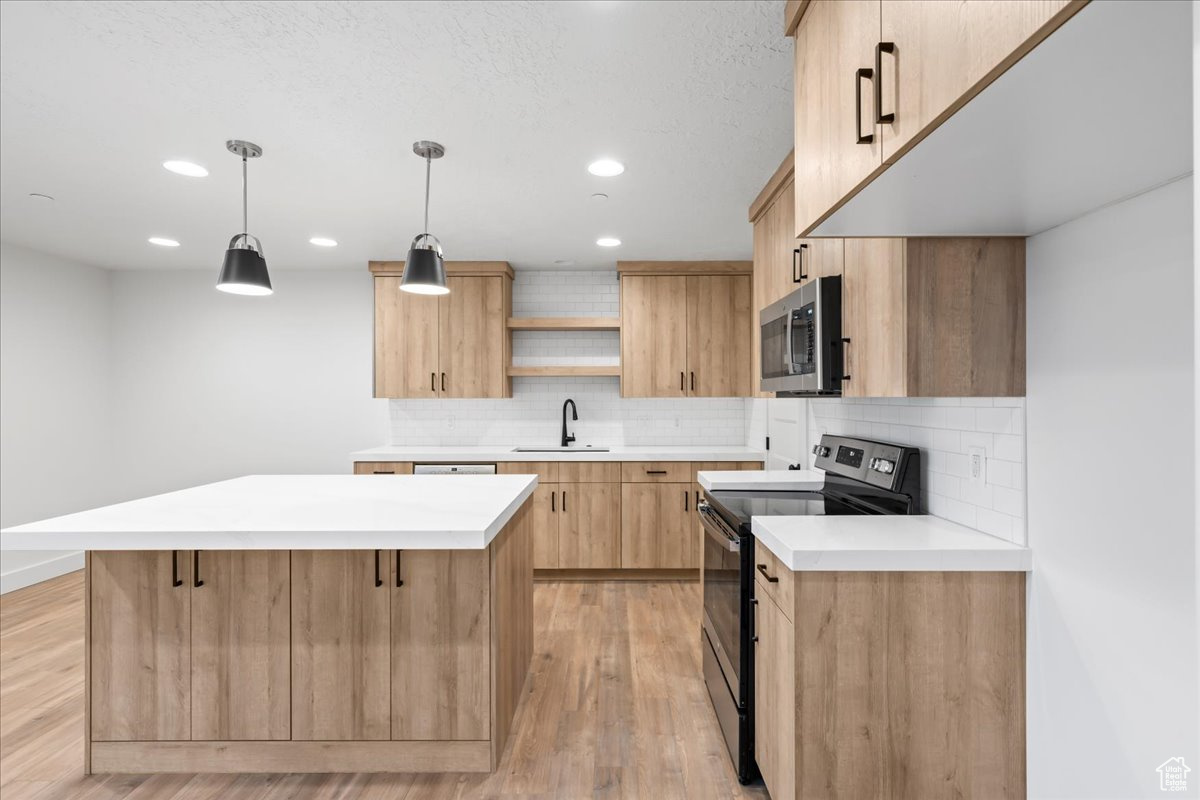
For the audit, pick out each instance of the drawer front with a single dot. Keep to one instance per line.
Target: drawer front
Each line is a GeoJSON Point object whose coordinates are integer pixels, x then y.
{"type": "Point", "coordinates": [589, 472]}
{"type": "Point", "coordinates": [782, 589]}
{"type": "Point", "coordinates": [730, 466]}
{"type": "Point", "coordinates": [547, 471]}
{"type": "Point", "coordinates": [383, 468]}
{"type": "Point", "coordinates": [657, 472]}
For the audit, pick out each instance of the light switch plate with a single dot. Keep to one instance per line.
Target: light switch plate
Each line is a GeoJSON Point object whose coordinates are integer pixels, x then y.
{"type": "Point", "coordinates": [977, 466]}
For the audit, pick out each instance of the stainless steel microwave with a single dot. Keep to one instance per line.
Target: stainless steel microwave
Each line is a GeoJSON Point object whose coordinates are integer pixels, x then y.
{"type": "Point", "coordinates": [802, 344]}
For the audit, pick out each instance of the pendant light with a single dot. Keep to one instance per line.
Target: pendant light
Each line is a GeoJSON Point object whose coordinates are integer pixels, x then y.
{"type": "Point", "coordinates": [245, 269]}
{"type": "Point", "coordinates": [424, 271]}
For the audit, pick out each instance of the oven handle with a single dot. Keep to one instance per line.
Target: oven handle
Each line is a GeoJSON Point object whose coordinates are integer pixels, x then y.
{"type": "Point", "coordinates": [717, 528]}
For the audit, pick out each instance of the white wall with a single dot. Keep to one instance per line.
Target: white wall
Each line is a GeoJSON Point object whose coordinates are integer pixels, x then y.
{"type": "Point", "coordinates": [209, 386]}
{"type": "Point", "coordinates": [55, 360]}
{"type": "Point", "coordinates": [1112, 681]}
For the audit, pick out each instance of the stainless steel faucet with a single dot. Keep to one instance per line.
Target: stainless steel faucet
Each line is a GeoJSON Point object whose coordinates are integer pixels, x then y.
{"type": "Point", "coordinates": [568, 438]}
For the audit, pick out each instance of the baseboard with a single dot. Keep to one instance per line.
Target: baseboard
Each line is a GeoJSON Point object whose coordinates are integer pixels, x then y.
{"type": "Point", "coordinates": [42, 571]}
{"type": "Point", "coordinates": [546, 575]}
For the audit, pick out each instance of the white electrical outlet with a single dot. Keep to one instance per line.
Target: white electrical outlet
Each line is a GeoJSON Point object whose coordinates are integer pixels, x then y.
{"type": "Point", "coordinates": [977, 466]}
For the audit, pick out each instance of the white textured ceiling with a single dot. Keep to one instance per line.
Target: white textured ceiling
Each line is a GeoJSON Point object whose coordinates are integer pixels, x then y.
{"type": "Point", "coordinates": [694, 97]}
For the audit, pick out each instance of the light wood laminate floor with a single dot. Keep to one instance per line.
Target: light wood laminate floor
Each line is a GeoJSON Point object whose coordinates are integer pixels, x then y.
{"type": "Point", "coordinates": [614, 708]}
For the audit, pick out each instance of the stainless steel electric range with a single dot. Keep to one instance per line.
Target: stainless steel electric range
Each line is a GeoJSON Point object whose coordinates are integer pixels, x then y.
{"type": "Point", "coordinates": [861, 477]}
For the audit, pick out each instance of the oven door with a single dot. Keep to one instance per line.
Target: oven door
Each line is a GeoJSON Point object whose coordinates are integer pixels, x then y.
{"type": "Point", "coordinates": [724, 600]}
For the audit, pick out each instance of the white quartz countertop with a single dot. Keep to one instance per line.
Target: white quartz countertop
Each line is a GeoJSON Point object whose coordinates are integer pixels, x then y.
{"type": "Point", "coordinates": [769, 480]}
{"type": "Point", "coordinates": [295, 512]}
{"type": "Point", "coordinates": [869, 543]}
{"type": "Point", "coordinates": [496, 453]}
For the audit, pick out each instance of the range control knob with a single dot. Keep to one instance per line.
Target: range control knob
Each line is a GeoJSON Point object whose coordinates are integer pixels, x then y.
{"type": "Point", "coordinates": [883, 465]}
{"type": "Point", "coordinates": [821, 451]}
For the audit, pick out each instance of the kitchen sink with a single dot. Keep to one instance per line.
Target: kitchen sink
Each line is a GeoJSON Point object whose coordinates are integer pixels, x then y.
{"type": "Point", "coordinates": [553, 449]}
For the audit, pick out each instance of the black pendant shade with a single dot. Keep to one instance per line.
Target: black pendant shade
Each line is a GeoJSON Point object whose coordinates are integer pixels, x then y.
{"type": "Point", "coordinates": [424, 270]}
{"type": "Point", "coordinates": [244, 270]}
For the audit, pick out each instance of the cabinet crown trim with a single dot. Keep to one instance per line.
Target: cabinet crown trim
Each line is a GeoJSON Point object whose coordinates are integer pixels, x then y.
{"type": "Point", "coordinates": [775, 184]}
{"type": "Point", "coordinates": [685, 267]}
{"type": "Point", "coordinates": [453, 268]}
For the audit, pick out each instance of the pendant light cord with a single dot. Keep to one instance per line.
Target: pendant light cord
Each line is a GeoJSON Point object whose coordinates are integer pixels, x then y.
{"type": "Point", "coordinates": [245, 223]}
{"type": "Point", "coordinates": [428, 161]}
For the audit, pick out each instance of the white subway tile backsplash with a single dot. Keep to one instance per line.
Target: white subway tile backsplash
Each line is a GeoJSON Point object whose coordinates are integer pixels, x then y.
{"type": "Point", "coordinates": [534, 413]}
{"type": "Point", "coordinates": [945, 428]}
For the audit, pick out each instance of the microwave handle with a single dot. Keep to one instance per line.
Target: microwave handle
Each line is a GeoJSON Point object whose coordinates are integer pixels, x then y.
{"type": "Point", "coordinates": [787, 336]}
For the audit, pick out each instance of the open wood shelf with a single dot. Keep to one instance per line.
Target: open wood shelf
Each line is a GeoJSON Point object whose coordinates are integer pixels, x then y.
{"type": "Point", "coordinates": [566, 371]}
{"type": "Point", "coordinates": [564, 323]}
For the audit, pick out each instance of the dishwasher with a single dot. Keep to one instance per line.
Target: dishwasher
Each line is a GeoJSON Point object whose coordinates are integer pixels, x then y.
{"type": "Point", "coordinates": [454, 469]}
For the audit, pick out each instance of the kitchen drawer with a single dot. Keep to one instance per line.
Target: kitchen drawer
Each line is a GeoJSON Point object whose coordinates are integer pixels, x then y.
{"type": "Point", "coordinates": [383, 468]}
{"type": "Point", "coordinates": [657, 472]}
{"type": "Point", "coordinates": [589, 472]}
{"type": "Point", "coordinates": [730, 466]}
{"type": "Point", "coordinates": [782, 589]}
{"type": "Point", "coordinates": [547, 471]}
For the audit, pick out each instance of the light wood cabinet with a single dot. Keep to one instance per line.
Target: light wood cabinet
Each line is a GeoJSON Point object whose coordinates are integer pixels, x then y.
{"type": "Point", "coordinates": [837, 141]}
{"type": "Point", "coordinates": [589, 526]}
{"type": "Point", "coordinates": [873, 78]}
{"type": "Point", "coordinates": [341, 641]}
{"type": "Point", "coordinates": [934, 317]}
{"type": "Point", "coordinates": [241, 640]}
{"type": "Point", "coordinates": [140, 645]}
{"type": "Point", "coordinates": [656, 529]}
{"type": "Point", "coordinates": [774, 696]}
{"type": "Point", "coordinates": [383, 468]}
{"type": "Point", "coordinates": [544, 518]}
{"type": "Point", "coordinates": [685, 332]}
{"type": "Point", "coordinates": [440, 669]}
{"type": "Point", "coordinates": [452, 345]}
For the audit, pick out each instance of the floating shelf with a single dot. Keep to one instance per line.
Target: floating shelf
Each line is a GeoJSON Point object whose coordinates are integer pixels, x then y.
{"type": "Point", "coordinates": [565, 371]}
{"type": "Point", "coordinates": [564, 323]}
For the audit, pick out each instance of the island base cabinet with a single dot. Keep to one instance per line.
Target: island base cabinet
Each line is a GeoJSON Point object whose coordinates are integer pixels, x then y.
{"type": "Point", "coordinates": [892, 684]}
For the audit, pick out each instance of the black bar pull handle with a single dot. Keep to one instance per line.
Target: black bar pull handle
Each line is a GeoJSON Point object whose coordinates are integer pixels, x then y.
{"type": "Point", "coordinates": [378, 579]}
{"type": "Point", "coordinates": [443, 381]}
{"type": "Point", "coordinates": [685, 499]}
{"type": "Point", "coordinates": [798, 264]}
{"type": "Point", "coordinates": [763, 569]}
{"type": "Point", "coordinates": [697, 498]}
{"type": "Point", "coordinates": [196, 582]}
{"type": "Point", "coordinates": [564, 499]}
{"type": "Point", "coordinates": [754, 602]}
{"type": "Point", "coordinates": [433, 381]}
{"type": "Point", "coordinates": [175, 579]}
{"type": "Point", "coordinates": [384, 472]}
{"type": "Point", "coordinates": [845, 342]}
{"type": "Point", "coordinates": [868, 73]}
{"type": "Point", "coordinates": [656, 472]}
{"type": "Point", "coordinates": [399, 581]}
{"type": "Point", "coordinates": [681, 381]}
{"type": "Point", "coordinates": [880, 49]}
{"type": "Point", "coordinates": [552, 508]}
{"type": "Point", "coordinates": [693, 381]}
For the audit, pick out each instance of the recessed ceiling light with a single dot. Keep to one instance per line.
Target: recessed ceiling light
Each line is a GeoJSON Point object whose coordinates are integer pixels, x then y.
{"type": "Point", "coordinates": [599, 196]}
{"type": "Point", "coordinates": [321, 241]}
{"type": "Point", "coordinates": [186, 168]}
{"type": "Point", "coordinates": [608, 241]}
{"type": "Point", "coordinates": [606, 168]}
{"type": "Point", "coordinates": [162, 241]}
{"type": "Point", "coordinates": [40, 196]}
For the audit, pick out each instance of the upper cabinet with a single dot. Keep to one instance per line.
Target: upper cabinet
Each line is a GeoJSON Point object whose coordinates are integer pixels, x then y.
{"type": "Point", "coordinates": [686, 328]}
{"type": "Point", "coordinates": [453, 345]}
{"type": "Point", "coordinates": [874, 77]}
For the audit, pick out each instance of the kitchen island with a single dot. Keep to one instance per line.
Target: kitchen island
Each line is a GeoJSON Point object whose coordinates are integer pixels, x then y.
{"type": "Point", "coordinates": [304, 623]}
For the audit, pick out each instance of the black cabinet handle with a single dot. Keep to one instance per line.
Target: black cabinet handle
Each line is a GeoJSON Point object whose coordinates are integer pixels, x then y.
{"type": "Point", "coordinates": [443, 381]}
{"type": "Point", "coordinates": [685, 499]}
{"type": "Point", "coordinates": [693, 381]}
{"type": "Point", "coordinates": [681, 382]}
{"type": "Point", "coordinates": [754, 611]}
{"type": "Point", "coordinates": [763, 569]}
{"type": "Point", "coordinates": [697, 498]}
{"type": "Point", "coordinates": [564, 499]}
{"type": "Point", "coordinates": [196, 582]}
{"type": "Point", "coordinates": [656, 472]}
{"type": "Point", "coordinates": [175, 580]}
{"type": "Point", "coordinates": [378, 579]}
{"type": "Point", "coordinates": [433, 381]}
{"type": "Point", "coordinates": [399, 582]}
{"type": "Point", "coordinates": [384, 472]}
{"type": "Point", "coordinates": [880, 49]}
{"type": "Point", "coordinates": [868, 73]}
{"type": "Point", "coordinates": [552, 508]}
{"type": "Point", "coordinates": [798, 264]}
{"type": "Point", "coordinates": [844, 343]}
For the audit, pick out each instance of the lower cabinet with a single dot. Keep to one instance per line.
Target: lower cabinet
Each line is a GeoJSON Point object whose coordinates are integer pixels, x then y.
{"type": "Point", "coordinates": [774, 696]}
{"type": "Point", "coordinates": [656, 526]}
{"type": "Point", "coordinates": [589, 532]}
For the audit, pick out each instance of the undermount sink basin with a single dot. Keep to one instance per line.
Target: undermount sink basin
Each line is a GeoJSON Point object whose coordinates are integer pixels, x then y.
{"type": "Point", "coordinates": [553, 449]}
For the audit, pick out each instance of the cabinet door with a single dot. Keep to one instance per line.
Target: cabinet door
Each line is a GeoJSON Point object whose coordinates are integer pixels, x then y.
{"type": "Point", "coordinates": [656, 529]}
{"type": "Point", "coordinates": [589, 532]}
{"type": "Point", "coordinates": [140, 646]}
{"type": "Point", "coordinates": [820, 258]}
{"type": "Point", "coordinates": [406, 341]}
{"type": "Point", "coordinates": [775, 698]}
{"type": "Point", "coordinates": [653, 336]}
{"type": "Point", "coordinates": [241, 640]}
{"type": "Point", "coordinates": [874, 314]}
{"type": "Point", "coordinates": [474, 361]}
{"type": "Point", "coordinates": [835, 39]}
{"type": "Point", "coordinates": [718, 335]}
{"type": "Point", "coordinates": [544, 512]}
{"type": "Point", "coordinates": [944, 53]}
{"type": "Point", "coordinates": [383, 468]}
{"type": "Point", "coordinates": [441, 634]}
{"type": "Point", "coordinates": [340, 645]}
